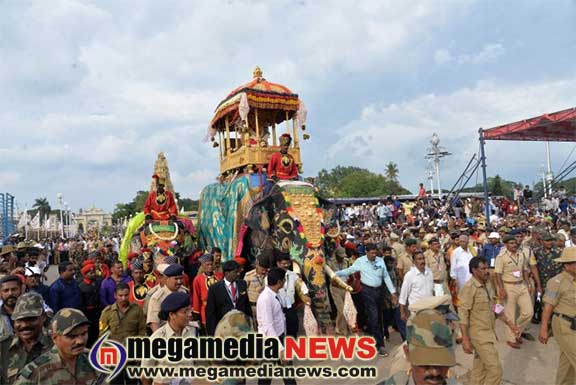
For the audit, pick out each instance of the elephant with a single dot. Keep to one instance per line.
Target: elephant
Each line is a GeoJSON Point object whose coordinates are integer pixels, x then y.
{"type": "Point", "coordinates": [293, 219]}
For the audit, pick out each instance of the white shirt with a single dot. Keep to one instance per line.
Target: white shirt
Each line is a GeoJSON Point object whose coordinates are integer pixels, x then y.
{"type": "Point", "coordinates": [416, 286]}
{"type": "Point", "coordinates": [271, 319]}
{"type": "Point", "coordinates": [229, 290]}
{"type": "Point", "coordinates": [459, 269]}
{"type": "Point", "coordinates": [287, 293]}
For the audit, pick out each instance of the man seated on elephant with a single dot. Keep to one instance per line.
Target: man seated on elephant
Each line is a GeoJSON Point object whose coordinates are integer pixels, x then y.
{"type": "Point", "coordinates": [160, 204]}
{"type": "Point", "coordinates": [282, 165]}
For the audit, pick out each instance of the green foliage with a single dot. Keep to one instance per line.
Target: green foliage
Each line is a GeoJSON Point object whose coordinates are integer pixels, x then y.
{"type": "Point", "coordinates": [392, 171]}
{"type": "Point", "coordinates": [497, 186]}
{"type": "Point", "coordinates": [349, 181]}
{"type": "Point", "coordinates": [42, 206]}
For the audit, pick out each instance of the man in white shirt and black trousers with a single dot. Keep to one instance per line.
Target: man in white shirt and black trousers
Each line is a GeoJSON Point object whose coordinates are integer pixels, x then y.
{"type": "Point", "coordinates": [270, 314]}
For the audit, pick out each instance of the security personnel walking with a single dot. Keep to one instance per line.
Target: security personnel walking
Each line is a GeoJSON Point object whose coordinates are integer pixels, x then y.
{"type": "Point", "coordinates": [560, 305]}
{"type": "Point", "coordinates": [66, 362]}
{"type": "Point", "coordinates": [30, 339]}
{"type": "Point", "coordinates": [173, 283]}
{"type": "Point", "coordinates": [256, 282]}
{"type": "Point", "coordinates": [437, 264]}
{"type": "Point", "coordinates": [512, 276]}
{"type": "Point", "coordinates": [478, 313]}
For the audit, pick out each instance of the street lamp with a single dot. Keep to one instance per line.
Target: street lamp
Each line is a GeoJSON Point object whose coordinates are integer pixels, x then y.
{"type": "Point", "coordinates": [59, 195]}
{"type": "Point", "coordinates": [66, 218]}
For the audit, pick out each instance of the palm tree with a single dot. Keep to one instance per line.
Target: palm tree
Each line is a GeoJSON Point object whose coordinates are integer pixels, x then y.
{"type": "Point", "coordinates": [43, 207]}
{"type": "Point", "coordinates": [392, 171]}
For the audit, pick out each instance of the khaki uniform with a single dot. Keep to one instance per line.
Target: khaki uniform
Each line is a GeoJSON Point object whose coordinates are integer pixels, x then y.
{"type": "Point", "coordinates": [255, 285]}
{"type": "Point", "coordinates": [476, 312]}
{"type": "Point", "coordinates": [398, 249]}
{"type": "Point", "coordinates": [166, 332]}
{"type": "Point", "coordinates": [512, 268]}
{"type": "Point", "coordinates": [404, 264]}
{"type": "Point", "coordinates": [48, 369]}
{"type": "Point", "coordinates": [561, 294]}
{"type": "Point", "coordinates": [122, 325]}
{"type": "Point", "coordinates": [18, 357]}
{"type": "Point", "coordinates": [437, 265]}
{"type": "Point", "coordinates": [155, 302]}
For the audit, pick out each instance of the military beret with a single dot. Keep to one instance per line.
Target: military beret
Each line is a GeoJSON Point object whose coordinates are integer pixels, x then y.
{"type": "Point", "coordinates": [433, 240]}
{"type": "Point", "coordinates": [206, 258]}
{"type": "Point", "coordinates": [410, 242]}
{"type": "Point", "coordinates": [394, 236]}
{"type": "Point", "coordinates": [67, 319]}
{"type": "Point", "coordinates": [548, 237]}
{"type": "Point", "coordinates": [230, 266]}
{"type": "Point", "coordinates": [174, 302]}
{"type": "Point", "coordinates": [173, 270]}
{"type": "Point", "coordinates": [515, 232]}
{"type": "Point", "coordinates": [508, 238]}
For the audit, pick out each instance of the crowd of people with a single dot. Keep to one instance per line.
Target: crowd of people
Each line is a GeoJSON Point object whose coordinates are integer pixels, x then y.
{"type": "Point", "coordinates": [518, 266]}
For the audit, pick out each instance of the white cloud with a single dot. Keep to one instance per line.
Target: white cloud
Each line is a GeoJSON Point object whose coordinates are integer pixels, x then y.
{"type": "Point", "coordinates": [488, 54]}
{"type": "Point", "coordinates": [401, 132]}
{"type": "Point", "coordinates": [442, 56]}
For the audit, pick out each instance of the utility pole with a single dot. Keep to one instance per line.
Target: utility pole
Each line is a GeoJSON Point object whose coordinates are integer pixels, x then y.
{"type": "Point", "coordinates": [549, 174]}
{"type": "Point", "coordinates": [435, 153]}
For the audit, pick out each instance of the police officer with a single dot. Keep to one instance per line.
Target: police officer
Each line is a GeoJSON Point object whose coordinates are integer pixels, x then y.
{"type": "Point", "coordinates": [478, 313]}
{"type": "Point", "coordinates": [429, 349]}
{"type": "Point", "coordinates": [560, 305]}
{"type": "Point", "coordinates": [255, 281]}
{"type": "Point", "coordinates": [176, 312]}
{"type": "Point", "coordinates": [172, 284]}
{"type": "Point", "coordinates": [30, 339]}
{"type": "Point", "coordinates": [512, 277]}
{"type": "Point", "coordinates": [66, 362]}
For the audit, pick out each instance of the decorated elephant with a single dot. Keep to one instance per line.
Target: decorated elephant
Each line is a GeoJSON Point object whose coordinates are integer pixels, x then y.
{"type": "Point", "coordinates": [170, 237]}
{"type": "Point", "coordinates": [293, 219]}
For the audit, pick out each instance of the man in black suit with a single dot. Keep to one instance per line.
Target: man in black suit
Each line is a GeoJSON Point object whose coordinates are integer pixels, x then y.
{"type": "Point", "coordinates": [228, 294]}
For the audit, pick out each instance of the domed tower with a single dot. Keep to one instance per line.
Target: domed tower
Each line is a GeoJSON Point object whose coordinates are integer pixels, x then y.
{"type": "Point", "coordinates": [248, 122]}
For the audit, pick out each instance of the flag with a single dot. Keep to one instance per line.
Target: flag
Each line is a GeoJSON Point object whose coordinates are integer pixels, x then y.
{"type": "Point", "coordinates": [35, 222]}
{"type": "Point", "coordinates": [23, 221]}
{"type": "Point", "coordinates": [47, 224]}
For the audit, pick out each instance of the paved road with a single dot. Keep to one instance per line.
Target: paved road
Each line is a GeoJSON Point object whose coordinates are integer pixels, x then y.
{"type": "Point", "coordinates": [534, 364]}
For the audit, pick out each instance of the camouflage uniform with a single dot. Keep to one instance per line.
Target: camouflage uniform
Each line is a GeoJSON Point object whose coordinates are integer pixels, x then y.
{"type": "Point", "coordinates": [12, 349]}
{"type": "Point", "coordinates": [544, 262]}
{"type": "Point", "coordinates": [430, 343]}
{"type": "Point", "coordinates": [48, 368]}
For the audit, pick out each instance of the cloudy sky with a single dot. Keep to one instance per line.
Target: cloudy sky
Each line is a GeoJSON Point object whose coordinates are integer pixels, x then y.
{"type": "Point", "coordinates": [90, 91]}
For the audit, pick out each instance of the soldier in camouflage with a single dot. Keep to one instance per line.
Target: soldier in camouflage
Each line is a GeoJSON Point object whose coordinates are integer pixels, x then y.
{"type": "Point", "coordinates": [30, 339]}
{"type": "Point", "coordinates": [430, 350]}
{"type": "Point", "coordinates": [67, 362]}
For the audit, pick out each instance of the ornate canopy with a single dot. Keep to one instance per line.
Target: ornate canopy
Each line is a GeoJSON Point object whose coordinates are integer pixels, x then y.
{"type": "Point", "coordinates": [275, 103]}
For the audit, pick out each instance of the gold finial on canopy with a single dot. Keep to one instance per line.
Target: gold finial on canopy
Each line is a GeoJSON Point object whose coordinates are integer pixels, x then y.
{"type": "Point", "coordinates": [257, 72]}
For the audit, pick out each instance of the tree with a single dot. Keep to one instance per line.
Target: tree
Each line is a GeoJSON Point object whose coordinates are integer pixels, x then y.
{"type": "Point", "coordinates": [42, 206]}
{"type": "Point", "coordinates": [497, 185]}
{"type": "Point", "coordinates": [347, 181]}
{"type": "Point", "coordinates": [392, 171]}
